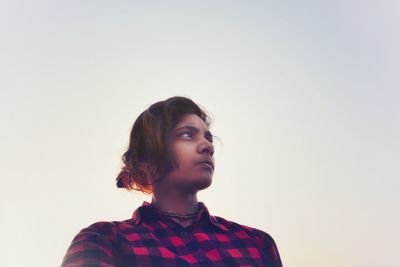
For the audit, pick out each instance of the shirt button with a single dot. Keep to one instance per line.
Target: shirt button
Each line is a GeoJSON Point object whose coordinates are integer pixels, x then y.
{"type": "Point", "coordinates": [184, 234]}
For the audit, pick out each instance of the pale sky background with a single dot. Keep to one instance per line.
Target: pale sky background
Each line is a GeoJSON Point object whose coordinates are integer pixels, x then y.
{"type": "Point", "coordinates": [304, 96]}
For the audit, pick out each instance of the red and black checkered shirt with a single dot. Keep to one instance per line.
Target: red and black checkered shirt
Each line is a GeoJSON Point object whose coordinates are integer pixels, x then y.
{"type": "Point", "coordinates": [152, 239]}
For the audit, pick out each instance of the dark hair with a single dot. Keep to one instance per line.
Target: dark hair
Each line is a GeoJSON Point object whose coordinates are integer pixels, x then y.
{"type": "Point", "coordinates": [148, 157]}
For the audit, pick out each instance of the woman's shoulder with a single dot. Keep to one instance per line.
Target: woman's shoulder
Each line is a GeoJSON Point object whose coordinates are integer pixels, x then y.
{"type": "Point", "coordinates": [94, 244]}
{"type": "Point", "coordinates": [245, 230]}
{"type": "Point", "coordinates": [96, 230]}
{"type": "Point", "coordinates": [261, 238]}
{"type": "Point", "coordinates": [102, 229]}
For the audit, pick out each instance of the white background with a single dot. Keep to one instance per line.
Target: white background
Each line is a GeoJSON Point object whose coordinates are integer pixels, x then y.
{"type": "Point", "coordinates": [304, 95]}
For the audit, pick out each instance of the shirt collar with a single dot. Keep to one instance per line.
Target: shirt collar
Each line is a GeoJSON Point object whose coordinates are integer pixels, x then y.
{"type": "Point", "coordinates": [147, 210]}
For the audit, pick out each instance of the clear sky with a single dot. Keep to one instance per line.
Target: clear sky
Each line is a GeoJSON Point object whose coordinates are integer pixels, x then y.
{"type": "Point", "coordinates": [304, 96]}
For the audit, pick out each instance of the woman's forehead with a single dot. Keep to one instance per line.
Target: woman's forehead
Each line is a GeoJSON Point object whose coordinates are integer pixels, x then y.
{"type": "Point", "coordinates": [192, 120]}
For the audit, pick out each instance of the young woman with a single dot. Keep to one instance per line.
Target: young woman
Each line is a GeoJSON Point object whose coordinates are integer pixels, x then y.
{"type": "Point", "coordinates": [171, 156]}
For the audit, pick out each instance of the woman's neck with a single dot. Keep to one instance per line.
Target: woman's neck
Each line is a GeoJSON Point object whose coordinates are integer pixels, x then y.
{"type": "Point", "coordinates": [175, 203]}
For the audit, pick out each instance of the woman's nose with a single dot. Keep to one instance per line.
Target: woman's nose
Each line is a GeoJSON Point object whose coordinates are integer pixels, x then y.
{"type": "Point", "coordinates": [207, 146]}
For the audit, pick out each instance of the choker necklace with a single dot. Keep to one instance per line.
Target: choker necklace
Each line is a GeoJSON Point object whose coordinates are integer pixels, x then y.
{"type": "Point", "coordinates": [180, 217]}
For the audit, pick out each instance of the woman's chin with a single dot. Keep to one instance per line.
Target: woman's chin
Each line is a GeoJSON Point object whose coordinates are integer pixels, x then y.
{"type": "Point", "coordinates": [199, 183]}
{"type": "Point", "coordinates": [204, 182]}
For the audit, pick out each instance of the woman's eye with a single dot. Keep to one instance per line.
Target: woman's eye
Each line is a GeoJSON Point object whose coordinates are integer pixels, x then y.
{"type": "Point", "coordinates": [188, 134]}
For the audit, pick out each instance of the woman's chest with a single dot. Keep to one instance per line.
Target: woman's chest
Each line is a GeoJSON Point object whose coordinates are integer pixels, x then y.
{"type": "Point", "coordinates": [186, 248]}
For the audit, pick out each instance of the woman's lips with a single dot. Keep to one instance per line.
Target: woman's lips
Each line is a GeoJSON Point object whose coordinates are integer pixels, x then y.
{"type": "Point", "coordinates": [206, 164]}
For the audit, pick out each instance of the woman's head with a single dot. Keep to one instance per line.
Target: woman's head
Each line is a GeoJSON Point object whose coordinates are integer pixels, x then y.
{"type": "Point", "coordinates": [158, 148]}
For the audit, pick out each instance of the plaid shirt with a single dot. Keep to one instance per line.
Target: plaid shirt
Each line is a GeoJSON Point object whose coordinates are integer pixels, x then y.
{"type": "Point", "coordinates": [151, 239]}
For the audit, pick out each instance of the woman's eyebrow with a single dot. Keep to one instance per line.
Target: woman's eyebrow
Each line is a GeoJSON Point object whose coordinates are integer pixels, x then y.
{"type": "Point", "coordinates": [194, 129]}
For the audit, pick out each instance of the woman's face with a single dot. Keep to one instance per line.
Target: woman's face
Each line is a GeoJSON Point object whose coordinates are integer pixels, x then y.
{"type": "Point", "coordinates": [193, 149]}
